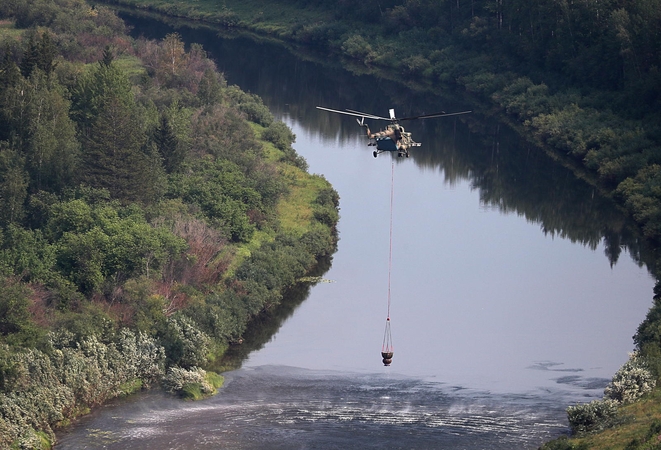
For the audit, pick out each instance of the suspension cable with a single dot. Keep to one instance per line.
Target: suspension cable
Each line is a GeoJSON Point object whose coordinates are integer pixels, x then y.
{"type": "Point", "coordinates": [392, 190]}
{"type": "Point", "coordinates": [387, 347]}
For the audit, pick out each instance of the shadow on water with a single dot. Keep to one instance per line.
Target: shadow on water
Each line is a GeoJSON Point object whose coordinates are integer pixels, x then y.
{"type": "Point", "coordinates": [262, 328]}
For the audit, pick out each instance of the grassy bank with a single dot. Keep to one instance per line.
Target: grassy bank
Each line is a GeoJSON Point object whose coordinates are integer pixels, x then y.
{"type": "Point", "coordinates": [153, 213]}
{"type": "Point", "coordinates": [638, 428]}
{"type": "Point", "coordinates": [581, 95]}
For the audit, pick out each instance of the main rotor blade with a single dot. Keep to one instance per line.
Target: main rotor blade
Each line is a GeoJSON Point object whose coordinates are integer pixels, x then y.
{"type": "Point", "coordinates": [353, 113]}
{"type": "Point", "coordinates": [368, 116]}
{"type": "Point", "coordinates": [439, 114]}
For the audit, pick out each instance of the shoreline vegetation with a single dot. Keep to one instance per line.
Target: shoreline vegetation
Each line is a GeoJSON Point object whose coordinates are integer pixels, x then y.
{"type": "Point", "coordinates": [151, 212]}
{"type": "Point", "coordinates": [116, 279]}
{"type": "Point", "coordinates": [579, 79]}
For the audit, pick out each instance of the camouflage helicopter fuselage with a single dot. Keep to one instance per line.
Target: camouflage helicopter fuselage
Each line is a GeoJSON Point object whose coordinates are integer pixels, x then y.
{"type": "Point", "coordinates": [393, 139]}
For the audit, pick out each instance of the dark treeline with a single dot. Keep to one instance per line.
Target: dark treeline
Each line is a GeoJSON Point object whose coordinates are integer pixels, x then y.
{"type": "Point", "coordinates": [581, 77]}
{"type": "Point", "coordinates": [510, 173]}
{"type": "Point", "coordinates": [601, 44]}
{"type": "Point", "coordinates": [139, 231]}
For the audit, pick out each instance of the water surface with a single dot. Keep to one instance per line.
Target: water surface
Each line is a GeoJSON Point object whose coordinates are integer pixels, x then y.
{"type": "Point", "coordinates": [515, 287]}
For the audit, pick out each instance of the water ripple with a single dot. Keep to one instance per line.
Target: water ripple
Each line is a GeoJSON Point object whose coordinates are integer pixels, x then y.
{"type": "Point", "coordinates": [284, 408]}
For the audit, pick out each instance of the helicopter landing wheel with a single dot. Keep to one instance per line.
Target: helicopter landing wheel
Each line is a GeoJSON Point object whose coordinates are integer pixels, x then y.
{"type": "Point", "coordinates": [407, 154]}
{"type": "Point", "coordinates": [374, 153]}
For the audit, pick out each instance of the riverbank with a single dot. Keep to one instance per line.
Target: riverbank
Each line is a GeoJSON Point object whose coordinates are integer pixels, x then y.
{"type": "Point", "coordinates": [155, 213]}
{"type": "Point", "coordinates": [594, 178]}
{"type": "Point", "coordinates": [605, 133]}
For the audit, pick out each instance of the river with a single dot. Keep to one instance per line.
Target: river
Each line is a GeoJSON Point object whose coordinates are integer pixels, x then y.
{"type": "Point", "coordinates": [515, 289]}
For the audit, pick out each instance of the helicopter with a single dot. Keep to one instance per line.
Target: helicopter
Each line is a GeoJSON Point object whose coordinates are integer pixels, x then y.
{"type": "Point", "coordinates": [394, 138]}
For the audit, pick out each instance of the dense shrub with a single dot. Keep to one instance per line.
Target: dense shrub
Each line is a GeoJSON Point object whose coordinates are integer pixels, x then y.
{"type": "Point", "coordinates": [42, 389]}
{"type": "Point", "coordinates": [357, 47]}
{"type": "Point", "coordinates": [251, 105]}
{"type": "Point", "coordinates": [593, 416]}
{"type": "Point", "coordinates": [132, 220]}
{"type": "Point", "coordinates": [279, 134]}
{"type": "Point", "coordinates": [179, 380]}
{"type": "Point", "coordinates": [631, 381]}
{"type": "Point", "coordinates": [185, 344]}
{"type": "Point", "coordinates": [282, 137]}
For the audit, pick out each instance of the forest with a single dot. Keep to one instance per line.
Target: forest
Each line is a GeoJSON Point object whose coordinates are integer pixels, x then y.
{"type": "Point", "coordinates": [580, 78]}
{"type": "Point", "coordinates": [145, 201]}
{"type": "Point", "coordinates": [150, 211]}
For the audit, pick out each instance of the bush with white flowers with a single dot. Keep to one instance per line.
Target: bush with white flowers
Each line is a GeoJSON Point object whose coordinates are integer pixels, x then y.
{"type": "Point", "coordinates": [631, 381]}
{"type": "Point", "coordinates": [593, 416]}
{"type": "Point", "coordinates": [177, 379]}
{"type": "Point", "coordinates": [44, 389]}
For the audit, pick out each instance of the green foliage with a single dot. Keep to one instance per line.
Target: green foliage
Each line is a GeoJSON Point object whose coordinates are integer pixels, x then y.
{"type": "Point", "coordinates": [594, 416]}
{"type": "Point", "coordinates": [327, 204]}
{"type": "Point", "coordinates": [87, 244]}
{"type": "Point", "coordinates": [416, 65]}
{"type": "Point", "coordinates": [215, 379]}
{"type": "Point", "coordinates": [40, 54]}
{"type": "Point", "coordinates": [220, 131]}
{"type": "Point", "coordinates": [648, 335]}
{"type": "Point", "coordinates": [222, 316]}
{"type": "Point", "coordinates": [279, 134]}
{"type": "Point", "coordinates": [16, 324]}
{"type": "Point", "coordinates": [96, 88]}
{"type": "Point", "coordinates": [282, 137]}
{"type": "Point", "coordinates": [580, 77]}
{"type": "Point", "coordinates": [171, 150]}
{"type": "Point", "coordinates": [101, 242]}
{"type": "Point", "coordinates": [631, 381]}
{"type": "Point", "coordinates": [114, 159]}
{"type": "Point", "coordinates": [190, 384]}
{"type": "Point", "coordinates": [650, 441]}
{"type": "Point", "coordinates": [563, 443]}
{"type": "Point", "coordinates": [223, 193]}
{"type": "Point", "coordinates": [185, 344]}
{"type": "Point", "coordinates": [251, 105]}
{"type": "Point", "coordinates": [40, 129]}
{"type": "Point", "coordinates": [358, 48]}
{"type": "Point", "coordinates": [13, 186]}
{"type": "Point", "coordinates": [210, 90]}
{"type": "Point", "coordinates": [642, 197]}
{"type": "Point", "coordinates": [43, 389]}
{"type": "Point", "coordinates": [26, 254]}
{"type": "Point", "coordinates": [271, 269]}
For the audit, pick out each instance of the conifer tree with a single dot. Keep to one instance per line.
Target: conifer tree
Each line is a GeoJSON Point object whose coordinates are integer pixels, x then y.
{"type": "Point", "coordinates": [113, 158]}
{"type": "Point", "coordinates": [46, 54]}
{"type": "Point", "coordinates": [9, 71]}
{"type": "Point", "coordinates": [168, 145]}
{"type": "Point", "coordinates": [40, 128]}
{"type": "Point", "coordinates": [30, 57]}
{"type": "Point", "coordinates": [13, 186]}
{"type": "Point", "coordinates": [108, 56]}
{"type": "Point", "coordinates": [95, 88]}
{"type": "Point", "coordinates": [10, 75]}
